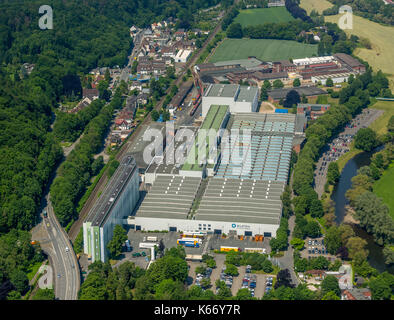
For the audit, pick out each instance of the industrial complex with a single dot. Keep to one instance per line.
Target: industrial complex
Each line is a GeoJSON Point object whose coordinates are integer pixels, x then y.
{"type": "Point", "coordinates": [225, 176]}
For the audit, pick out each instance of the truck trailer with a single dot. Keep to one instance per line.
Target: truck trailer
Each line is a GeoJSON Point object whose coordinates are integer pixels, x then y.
{"type": "Point", "coordinates": [190, 242]}
{"type": "Point", "coordinates": [227, 249]}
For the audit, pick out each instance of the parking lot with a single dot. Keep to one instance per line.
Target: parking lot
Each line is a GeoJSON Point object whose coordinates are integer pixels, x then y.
{"type": "Point", "coordinates": [340, 145]}
{"type": "Point", "coordinates": [256, 283]}
{"type": "Point", "coordinates": [315, 248]}
{"type": "Point", "coordinates": [233, 241]}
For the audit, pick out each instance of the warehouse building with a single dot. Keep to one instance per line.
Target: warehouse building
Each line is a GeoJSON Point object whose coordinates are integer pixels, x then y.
{"type": "Point", "coordinates": [118, 199]}
{"type": "Point", "coordinates": [170, 162]}
{"type": "Point", "coordinates": [242, 196]}
{"type": "Point", "coordinates": [183, 55]}
{"type": "Point", "coordinates": [204, 153]}
{"type": "Point", "coordinates": [275, 95]}
{"type": "Point", "coordinates": [238, 98]}
{"type": "Point", "coordinates": [336, 78]}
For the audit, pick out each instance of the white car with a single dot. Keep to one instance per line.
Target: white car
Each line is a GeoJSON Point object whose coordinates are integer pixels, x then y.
{"type": "Point", "coordinates": [67, 249]}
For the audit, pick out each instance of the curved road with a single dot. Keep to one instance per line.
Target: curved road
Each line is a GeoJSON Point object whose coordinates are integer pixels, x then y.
{"type": "Point", "coordinates": [63, 259]}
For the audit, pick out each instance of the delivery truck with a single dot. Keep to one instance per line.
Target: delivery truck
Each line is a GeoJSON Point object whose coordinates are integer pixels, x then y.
{"type": "Point", "coordinates": [190, 242]}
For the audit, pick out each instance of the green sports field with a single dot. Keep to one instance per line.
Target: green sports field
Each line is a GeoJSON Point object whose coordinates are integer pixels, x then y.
{"type": "Point", "coordinates": [251, 17]}
{"type": "Point", "coordinates": [383, 188]}
{"type": "Point", "coordinates": [263, 49]}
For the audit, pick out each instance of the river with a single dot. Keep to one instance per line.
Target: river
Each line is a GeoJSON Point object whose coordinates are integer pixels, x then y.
{"type": "Point", "coordinates": [375, 257]}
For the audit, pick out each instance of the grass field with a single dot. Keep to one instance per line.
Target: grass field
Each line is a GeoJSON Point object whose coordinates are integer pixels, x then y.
{"type": "Point", "coordinates": [381, 38]}
{"type": "Point", "coordinates": [251, 17]}
{"type": "Point", "coordinates": [380, 124]}
{"type": "Point", "coordinates": [317, 5]}
{"type": "Point", "coordinates": [264, 49]}
{"type": "Point", "coordinates": [383, 188]}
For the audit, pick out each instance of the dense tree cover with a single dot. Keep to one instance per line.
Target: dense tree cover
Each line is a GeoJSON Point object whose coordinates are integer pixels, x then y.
{"type": "Point", "coordinates": [256, 260]}
{"type": "Point", "coordinates": [375, 10]}
{"type": "Point", "coordinates": [105, 283]}
{"type": "Point", "coordinates": [44, 294]}
{"type": "Point", "coordinates": [330, 284]}
{"type": "Point", "coordinates": [365, 139]}
{"type": "Point", "coordinates": [119, 237]}
{"type": "Point", "coordinates": [382, 287]}
{"type": "Point", "coordinates": [292, 98]}
{"type": "Point", "coordinates": [229, 17]}
{"type": "Point", "coordinates": [374, 217]}
{"type": "Point", "coordinates": [372, 213]}
{"type": "Point", "coordinates": [28, 154]}
{"type": "Point", "coordinates": [283, 278]}
{"type": "Point", "coordinates": [16, 256]}
{"type": "Point", "coordinates": [296, 11]}
{"type": "Point", "coordinates": [234, 31]}
{"type": "Point", "coordinates": [69, 126]}
{"type": "Point", "coordinates": [280, 242]}
{"type": "Point", "coordinates": [281, 30]}
{"type": "Point", "coordinates": [301, 292]}
{"type": "Point", "coordinates": [333, 173]}
{"type": "Point", "coordinates": [316, 263]}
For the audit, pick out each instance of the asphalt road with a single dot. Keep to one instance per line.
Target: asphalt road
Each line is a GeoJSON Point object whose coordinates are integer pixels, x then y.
{"type": "Point", "coordinates": [64, 263]}
{"type": "Point", "coordinates": [54, 241]}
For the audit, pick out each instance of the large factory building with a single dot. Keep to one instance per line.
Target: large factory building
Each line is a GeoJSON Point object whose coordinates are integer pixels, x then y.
{"type": "Point", "coordinates": [117, 200]}
{"type": "Point", "coordinates": [242, 191]}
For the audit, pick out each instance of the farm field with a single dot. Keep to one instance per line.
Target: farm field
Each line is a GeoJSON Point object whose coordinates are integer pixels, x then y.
{"type": "Point", "coordinates": [383, 188]}
{"type": "Point", "coordinates": [317, 5]}
{"type": "Point", "coordinates": [251, 17]}
{"type": "Point", "coordinates": [263, 49]}
{"type": "Point", "coordinates": [381, 38]}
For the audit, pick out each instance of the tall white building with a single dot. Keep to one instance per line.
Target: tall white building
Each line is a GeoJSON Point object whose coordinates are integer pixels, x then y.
{"type": "Point", "coordinates": [117, 201]}
{"type": "Point", "coordinates": [240, 99]}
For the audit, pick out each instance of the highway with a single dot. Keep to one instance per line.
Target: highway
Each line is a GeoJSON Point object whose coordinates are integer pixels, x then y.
{"type": "Point", "coordinates": [65, 265]}
{"type": "Point", "coordinates": [55, 243]}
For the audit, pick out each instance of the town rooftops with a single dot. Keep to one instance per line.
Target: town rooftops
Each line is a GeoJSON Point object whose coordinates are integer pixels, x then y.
{"type": "Point", "coordinates": [102, 208]}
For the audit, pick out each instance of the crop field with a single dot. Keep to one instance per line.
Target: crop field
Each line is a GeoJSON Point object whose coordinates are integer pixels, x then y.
{"type": "Point", "coordinates": [383, 188]}
{"type": "Point", "coordinates": [251, 17]}
{"type": "Point", "coordinates": [317, 5]}
{"type": "Point", "coordinates": [381, 38]}
{"type": "Point", "coordinates": [263, 49]}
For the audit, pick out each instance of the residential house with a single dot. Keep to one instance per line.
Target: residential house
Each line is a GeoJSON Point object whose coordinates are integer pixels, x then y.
{"type": "Point", "coordinates": [180, 34]}
{"type": "Point", "coordinates": [92, 94]}
{"type": "Point", "coordinates": [356, 294]}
